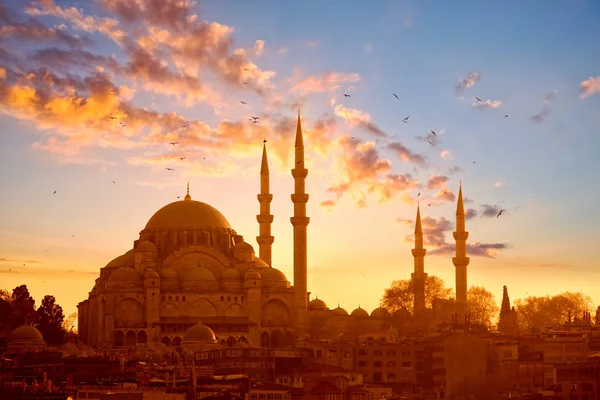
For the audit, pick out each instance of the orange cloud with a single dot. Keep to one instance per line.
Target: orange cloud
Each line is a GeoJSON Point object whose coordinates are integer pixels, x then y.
{"type": "Point", "coordinates": [590, 87]}
{"type": "Point", "coordinates": [328, 82]}
{"type": "Point", "coordinates": [259, 48]}
{"type": "Point", "coordinates": [487, 104]}
{"type": "Point", "coordinates": [405, 154]}
{"type": "Point", "coordinates": [359, 119]}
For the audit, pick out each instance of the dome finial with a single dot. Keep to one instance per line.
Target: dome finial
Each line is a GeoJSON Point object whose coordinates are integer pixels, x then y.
{"type": "Point", "coordinates": [187, 196]}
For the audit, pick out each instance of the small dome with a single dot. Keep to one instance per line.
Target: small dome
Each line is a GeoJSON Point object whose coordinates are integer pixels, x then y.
{"type": "Point", "coordinates": [125, 274]}
{"type": "Point", "coordinates": [199, 332]}
{"type": "Point", "coordinates": [146, 246]}
{"type": "Point", "coordinates": [199, 274]}
{"type": "Point", "coordinates": [338, 312]}
{"type": "Point", "coordinates": [258, 263]}
{"type": "Point", "coordinates": [272, 275]}
{"type": "Point", "coordinates": [401, 313]}
{"type": "Point", "coordinates": [168, 274]}
{"type": "Point", "coordinates": [231, 274]}
{"type": "Point", "coordinates": [25, 333]}
{"type": "Point", "coordinates": [380, 312]}
{"type": "Point", "coordinates": [317, 304]}
{"type": "Point", "coordinates": [151, 274]}
{"type": "Point", "coordinates": [252, 274]}
{"type": "Point", "coordinates": [187, 214]}
{"type": "Point", "coordinates": [124, 260]}
{"type": "Point", "coordinates": [359, 312]}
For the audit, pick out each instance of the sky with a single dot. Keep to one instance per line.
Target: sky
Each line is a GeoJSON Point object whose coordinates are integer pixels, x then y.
{"type": "Point", "coordinates": [511, 90]}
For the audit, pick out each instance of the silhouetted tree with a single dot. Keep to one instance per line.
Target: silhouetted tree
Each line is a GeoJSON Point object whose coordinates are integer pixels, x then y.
{"type": "Point", "coordinates": [6, 323]}
{"type": "Point", "coordinates": [551, 310]}
{"type": "Point", "coordinates": [400, 295]}
{"type": "Point", "coordinates": [482, 305]}
{"type": "Point", "coordinates": [51, 319]}
{"type": "Point", "coordinates": [23, 306]}
{"type": "Point", "coordinates": [507, 323]}
{"type": "Point", "coordinates": [68, 327]}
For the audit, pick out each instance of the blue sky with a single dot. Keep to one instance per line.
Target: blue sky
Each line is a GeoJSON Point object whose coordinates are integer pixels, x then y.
{"type": "Point", "coordinates": [531, 57]}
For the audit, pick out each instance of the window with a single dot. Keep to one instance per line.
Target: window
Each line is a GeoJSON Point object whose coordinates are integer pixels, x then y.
{"type": "Point", "coordinates": [391, 364]}
{"type": "Point", "coordinates": [377, 364]}
{"type": "Point", "coordinates": [362, 363]}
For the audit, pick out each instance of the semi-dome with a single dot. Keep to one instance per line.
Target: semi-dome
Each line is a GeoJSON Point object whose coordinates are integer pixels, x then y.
{"type": "Point", "coordinates": [125, 274]}
{"type": "Point", "coordinates": [123, 260]}
{"type": "Point", "coordinates": [199, 274]}
{"type": "Point", "coordinates": [187, 214]}
{"type": "Point", "coordinates": [272, 275]}
{"type": "Point", "coordinates": [339, 312]}
{"type": "Point", "coordinates": [25, 333]}
{"type": "Point", "coordinates": [359, 312]}
{"type": "Point", "coordinates": [151, 274]}
{"type": "Point", "coordinates": [199, 332]}
{"type": "Point", "coordinates": [317, 304]}
{"type": "Point", "coordinates": [231, 274]}
{"type": "Point", "coordinates": [146, 246]}
{"type": "Point", "coordinates": [168, 274]}
{"type": "Point", "coordinates": [380, 312]}
{"type": "Point", "coordinates": [258, 263]}
{"type": "Point", "coordinates": [252, 274]}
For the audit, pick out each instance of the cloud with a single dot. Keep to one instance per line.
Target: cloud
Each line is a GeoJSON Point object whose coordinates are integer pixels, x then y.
{"type": "Point", "coordinates": [259, 48]}
{"type": "Point", "coordinates": [359, 119]}
{"type": "Point", "coordinates": [11, 260]}
{"type": "Point", "coordinates": [368, 47]}
{"type": "Point", "coordinates": [487, 104]}
{"type": "Point", "coordinates": [405, 154]}
{"type": "Point", "coordinates": [500, 183]}
{"type": "Point", "coordinates": [541, 116]}
{"type": "Point", "coordinates": [282, 51]}
{"type": "Point", "coordinates": [446, 155]}
{"type": "Point", "coordinates": [328, 82]}
{"type": "Point", "coordinates": [467, 82]}
{"type": "Point", "coordinates": [312, 44]}
{"type": "Point", "coordinates": [489, 211]}
{"type": "Point", "coordinates": [33, 30]}
{"type": "Point", "coordinates": [365, 173]}
{"type": "Point", "coordinates": [439, 183]}
{"type": "Point", "coordinates": [470, 213]}
{"type": "Point", "coordinates": [455, 169]}
{"type": "Point", "coordinates": [431, 137]}
{"type": "Point", "coordinates": [434, 235]}
{"type": "Point", "coordinates": [590, 87]}
{"type": "Point", "coordinates": [327, 204]}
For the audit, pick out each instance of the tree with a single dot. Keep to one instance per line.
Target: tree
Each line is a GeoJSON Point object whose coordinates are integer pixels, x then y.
{"type": "Point", "coordinates": [551, 310]}
{"type": "Point", "coordinates": [507, 322]}
{"type": "Point", "coordinates": [482, 305]}
{"type": "Point", "coordinates": [23, 307]}
{"type": "Point", "coordinates": [400, 295]}
{"type": "Point", "coordinates": [68, 324]}
{"type": "Point", "coordinates": [51, 319]}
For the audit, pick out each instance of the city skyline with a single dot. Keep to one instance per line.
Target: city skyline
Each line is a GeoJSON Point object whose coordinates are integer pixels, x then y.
{"type": "Point", "coordinates": [172, 79]}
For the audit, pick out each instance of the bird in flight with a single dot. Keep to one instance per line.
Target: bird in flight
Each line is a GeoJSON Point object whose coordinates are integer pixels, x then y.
{"type": "Point", "coordinates": [173, 143]}
{"type": "Point", "coordinates": [185, 126]}
{"type": "Point", "coordinates": [405, 120]}
{"type": "Point", "coordinates": [474, 162]}
{"type": "Point", "coordinates": [255, 121]}
{"type": "Point", "coordinates": [243, 102]}
{"type": "Point", "coordinates": [347, 95]}
{"type": "Point", "coordinates": [265, 141]}
{"type": "Point", "coordinates": [255, 118]}
{"type": "Point", "coordinates": [430, 142]}
{"type": "Point", "coordinates": [246, 69]}
{"type": "Point", "coordinates": [114, 182]}
{"type": "Point", "coordinates": [178, 197]}
{"type": "Point", "coordinates": [433, 132]}
{"type": "Point", "coordinates": [419, 194]}
{"type": "Point", "coordinates": [506, 116]}
{"type": "Point", "coordinates": [182, 158]}
{"type": "Point", "coordinates": [54, 192]}
{"type": "Point", "coordinates": [396, 96]}
{"type": "Point", "coordinates": [500, 213]}
{"type": "Point", "coordinates": [245, 83]}
{"type": "Point", "coordinates": [478, 99]}
{"type": "Point", "coordinates": [169, 169]}
{"type": "Point", "coordinates": [112, 117]}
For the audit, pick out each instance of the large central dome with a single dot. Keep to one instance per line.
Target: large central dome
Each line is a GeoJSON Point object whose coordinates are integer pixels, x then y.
{"type": "Point", "coordinates": [187, 214]}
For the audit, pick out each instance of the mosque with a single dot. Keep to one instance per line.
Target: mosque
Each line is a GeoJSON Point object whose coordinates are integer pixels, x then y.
{"type": "Point", "coordinates": [190, 265]}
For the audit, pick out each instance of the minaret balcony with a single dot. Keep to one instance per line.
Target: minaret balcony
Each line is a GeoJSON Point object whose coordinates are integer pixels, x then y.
{"type": "Point", "coordinates": [299, 197]}
{"type": "Point", "coordinates": [418, 252]}
{"type": "Point", "coordinates": [299, 172]}
{"type": "Point", "coordinates": [265, 198]}
{"type": "Point", "coordinates": [264, 218]}
{"type": "Point", "coordinates": [460, 235]}
{"type": "Point", "coordinates": [461, 261]}
{"type": "Point", "coordinates": [299, 221]}
{"type": "Point", "coordinates": [265, 240]}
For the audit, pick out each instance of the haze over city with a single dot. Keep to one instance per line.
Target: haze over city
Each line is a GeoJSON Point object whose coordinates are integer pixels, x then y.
{"type": "Point", "coordinates": [399, 102]}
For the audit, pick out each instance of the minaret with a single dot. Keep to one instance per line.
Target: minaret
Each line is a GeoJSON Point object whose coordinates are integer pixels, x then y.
{"type": "Point", "coordinates": [265, 219]}
{"type": "Point", "coordinates": [299, 222]}
{"type": "Point", "coordinates": [461, 261]}
{"type": "Point", "coordinates": [419, 276]}
{"type": "Point", "coordinates": [187, 195]}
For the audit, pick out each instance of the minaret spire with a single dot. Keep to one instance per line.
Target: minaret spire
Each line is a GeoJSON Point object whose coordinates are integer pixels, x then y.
{"type": "Point", "coordinates": [461, 261]}
{"type": "Point", "coordinates": [300, 222]}
{"type": "Point", "coordinates": [187, 195]}
{"type": "Point", "coordinates": [419, 276]}
{"type": "Point", "coordinates": [265, 219]}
